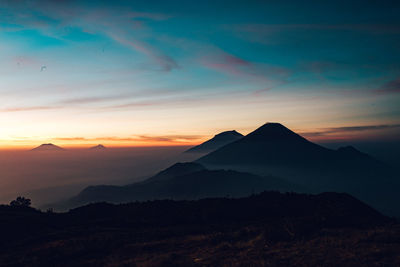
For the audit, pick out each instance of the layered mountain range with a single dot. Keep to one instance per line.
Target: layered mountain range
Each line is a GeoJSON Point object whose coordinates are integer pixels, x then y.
{"type": "Point", "coordinates": [270, 158]}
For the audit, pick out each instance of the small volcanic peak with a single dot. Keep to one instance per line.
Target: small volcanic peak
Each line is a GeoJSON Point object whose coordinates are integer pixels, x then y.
{"type": "Point", "coordinates": [48, 147]}
{"type": "Point", "coordinates": [98, 147]}
{"type": "Point", "coordinates": [272, 131]}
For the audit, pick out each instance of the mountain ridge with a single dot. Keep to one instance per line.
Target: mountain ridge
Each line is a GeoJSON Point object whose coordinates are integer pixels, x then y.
{"type": "Point", "coordinates": [216, 142]}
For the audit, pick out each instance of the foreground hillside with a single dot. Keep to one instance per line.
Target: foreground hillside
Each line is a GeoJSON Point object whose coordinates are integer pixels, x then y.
{"type": "Point", "coordinates": [271, 228]}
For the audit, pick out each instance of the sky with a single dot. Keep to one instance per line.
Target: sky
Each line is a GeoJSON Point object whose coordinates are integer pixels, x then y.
{"type": "Point", "coordinates": [130, 73]}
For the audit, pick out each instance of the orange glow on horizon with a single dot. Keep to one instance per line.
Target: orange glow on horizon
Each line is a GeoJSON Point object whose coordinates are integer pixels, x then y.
{"type": "Point", "coordinates": [314, 134]}
{"type": "Point", "coordinates": [27, 145]}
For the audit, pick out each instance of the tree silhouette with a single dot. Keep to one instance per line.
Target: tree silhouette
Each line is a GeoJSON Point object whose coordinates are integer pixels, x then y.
{"type": "Point", "coordinates": [21, 202]}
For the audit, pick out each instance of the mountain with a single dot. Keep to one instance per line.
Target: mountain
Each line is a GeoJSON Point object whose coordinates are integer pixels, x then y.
{"type": "Point", "coordinates": [252, 164]}
{"type": "Point", "coordinates": [48, 147]}
{"type": "Point", "coordinates": [183, 181]}
{"type": "Point", "coordinates": [275, 150]}
{"type": "Point", "coordinates": [271, 143]}
{"type": "Point", "coordinates": [98, 147]}
{"type": "Point", "coordinates": [274, 146]}
{"type": "Point", "coordinates": [178, 169]}
{"type": "Point", "coordinates": [352, 153]}
{"type": "Point", "coordinates": [216, 142]}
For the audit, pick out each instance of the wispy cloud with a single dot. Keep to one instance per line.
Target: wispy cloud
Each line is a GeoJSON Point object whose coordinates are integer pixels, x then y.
{"type": "Point", "coordinates": [272, 33]}
{"type": "Point", "coordinates": [267, 76]}
{"type": "Point", "coordinates": [166, 62]}
{"type": "Point", "coordinates": [135, 138]}
{"type": "Point", "coordinates": [228, 64]}
{"type": "Point", "coordinates": [342, 131]}
{"type": "Point", "coordinates": [28, 108]}
{"type": "Point", "coordinates": [157, 102]}
{"type": "Point", "coordinates": [391, 87]}
{"type": "Point", "coordinates": [92, 99]}
{"type": "Point", "coordinates": [361, 128]}
{"type": "Point", "coordinates": [276, 28]}
{"type": "Point", "coordinates": [120, 23]}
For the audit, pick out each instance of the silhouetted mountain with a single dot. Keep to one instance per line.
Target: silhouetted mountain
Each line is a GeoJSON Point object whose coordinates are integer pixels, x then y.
{"type": "Point", "coordinates": [98, 147]}
{"type": "Point", "coordinates": [353, 154]}
{"type": "Point", "coordinates": [183, 181]}
{"type": "Point", "coordinates": [177, 169]}
{"type": "Point", "coordinates": [208, 232]}
{"type": "Point", "coordinates": [275, 150]}
{"type": "Point", "coordinates": [47, 147]}
{"type": "Point", "coordinates": [271, 143]}
{"type": "Point", "coordinates": [216, 142]}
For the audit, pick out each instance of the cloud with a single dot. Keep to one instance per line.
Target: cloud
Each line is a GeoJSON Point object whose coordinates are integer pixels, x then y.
{"type": "Point", "coordinates": [170, 138]}
{"type": "Point", "coordinates": [88, 100]}
{"type": "Point", "coordinates": [267, 75]}
{"type": "Point", "coordinates": [361, 128]}
{"type": "Point", "coordinates": [276, 33]}
{"type": "Point", "coordinates": [227, 63]}
{"type": "Point", "coordinates": [136, 138]}
{"type": "Point", "coordinates": [391, 87]}
{"type": "Point", "coordinates": [33, 108]}
{"type": "Point", "coordinates": [276, 28]}
{"type": "Point", "coordinates": [349, 129]}
{"type": "Point", "coordinates": [166, 62]}
{"type": "Point", "coordinates": [120, 23]}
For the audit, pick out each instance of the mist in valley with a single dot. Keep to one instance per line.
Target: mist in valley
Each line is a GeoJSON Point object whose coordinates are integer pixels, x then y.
{"type": "Point", "coordinates": [51, 176]}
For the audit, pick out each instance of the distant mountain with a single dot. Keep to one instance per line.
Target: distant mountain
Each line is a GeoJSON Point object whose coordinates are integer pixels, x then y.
{"type": "Point", "coordinates": [178, 169]}
{"type": "Point", "coordinates": [98, 147]}
{"type": "Point", "coordinates": [48, 147]}
{"type": "Point", "coordinates": [216, 142]}
{"type": "Point", "coordinates": [183, 181]}
{"type": "Point", "coordinates": [352, 153]}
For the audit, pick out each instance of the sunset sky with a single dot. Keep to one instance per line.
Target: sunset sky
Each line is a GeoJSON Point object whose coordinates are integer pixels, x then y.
{"type": "Point", "coordinates": [177, 72]}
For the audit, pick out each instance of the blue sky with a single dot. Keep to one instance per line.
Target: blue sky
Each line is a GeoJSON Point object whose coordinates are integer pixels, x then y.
{"type": "Point", "coordinates": [134, 72]}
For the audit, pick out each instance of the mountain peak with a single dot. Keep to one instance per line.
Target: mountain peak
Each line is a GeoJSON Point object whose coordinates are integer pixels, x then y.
{"type": "Point", "coordinates": [98, 147]}
{"type": "Point", "coordinates": [219, 140]}
{"type": "Point", "coordinates": [272, 131]}
{"type": "Point", "coordinates": [270, 143]}
{"type": "Point", "coordinates": [47, 147]}
{"type": "Point", "coordinates": [229, 133]}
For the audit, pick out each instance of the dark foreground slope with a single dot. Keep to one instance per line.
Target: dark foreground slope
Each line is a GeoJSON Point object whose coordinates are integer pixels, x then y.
{"type": "Point", "coordinates": [272, 229]}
